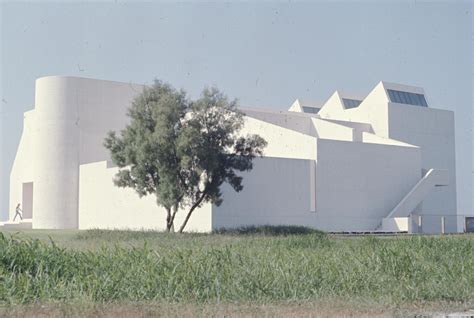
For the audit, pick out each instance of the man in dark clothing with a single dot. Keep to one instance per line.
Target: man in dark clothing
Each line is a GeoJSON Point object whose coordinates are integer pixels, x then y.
{"type": "Point", "coordinates": [18, 212]}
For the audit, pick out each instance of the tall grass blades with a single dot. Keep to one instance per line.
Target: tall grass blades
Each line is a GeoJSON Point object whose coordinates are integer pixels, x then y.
{"type": "Point", "coordinates": [254, 268]}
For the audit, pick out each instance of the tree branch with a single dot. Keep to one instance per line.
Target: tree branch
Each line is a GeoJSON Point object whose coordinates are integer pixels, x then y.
{"type": "Point", "coordinates": [174, 212]}
{"type": "Point", "coordinates": [195, 205]}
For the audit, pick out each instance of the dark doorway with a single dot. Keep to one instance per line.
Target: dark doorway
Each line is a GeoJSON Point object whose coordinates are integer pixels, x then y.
{"type": "Point", "coordinates": [27, 200]}
{"type": "Point", "coordinates": [469, 224]}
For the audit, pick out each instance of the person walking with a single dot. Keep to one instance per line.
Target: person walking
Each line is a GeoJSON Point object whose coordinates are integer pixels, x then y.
{"type": "Point", "coordinates": [18, 212]}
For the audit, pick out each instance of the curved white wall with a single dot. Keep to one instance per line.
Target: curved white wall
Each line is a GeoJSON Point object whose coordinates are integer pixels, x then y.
{"type": "Point", "coordinates": [73, 116]}
{"type": "Point", "coordinates": [57, 153]}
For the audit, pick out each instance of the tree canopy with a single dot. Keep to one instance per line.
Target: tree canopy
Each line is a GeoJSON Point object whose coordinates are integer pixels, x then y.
{"type": "Point", "coordinates": [181, 150]}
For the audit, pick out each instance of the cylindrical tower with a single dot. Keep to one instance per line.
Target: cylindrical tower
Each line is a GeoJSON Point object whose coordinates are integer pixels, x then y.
{"type": "Point", "coordinates": [56, 153]}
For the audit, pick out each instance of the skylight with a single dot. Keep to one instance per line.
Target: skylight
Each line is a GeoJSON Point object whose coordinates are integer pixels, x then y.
{"type": "Point", "coordinates": [350, 103]}
{"type": "Point", "coordinates": [406, 98]}
{"type": "Point", "coordinates": [312, 110]}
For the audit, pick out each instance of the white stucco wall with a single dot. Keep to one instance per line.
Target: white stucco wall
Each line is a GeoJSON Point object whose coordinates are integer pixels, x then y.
{"type": "Point", "coordinates": [106, 206]}
{"type": "Point", "coordinates": [276, 192]}
{"type": "Point", "coordinates": [300, 122]}
{"type": "Point", "coordinates": [360, 127]}
{"type": "Point", "coordinates": [22, 170]}
{"type": "Point", "coordinates": [104, 106]}
{"type": "Point", "coordinates": [330, 130]}
{"type": "Point", "coordinates": [433, 131]}
{"type": "Point", "coordinates": [332, 107]}
{"type": "Point", "coordinates": [363, 182]}
{"type": "Point", "coordinates": [281, 142]}
{"type": "Point", "coordinates": [356, 186]}
{"type": "Point", "coordinates": [72, 118]}
{"type": "Point", "coordinates": [373, 110]}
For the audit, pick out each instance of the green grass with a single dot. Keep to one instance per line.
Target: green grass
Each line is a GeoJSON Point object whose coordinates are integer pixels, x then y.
{"type": "Point", "coordinates": [253, 265]}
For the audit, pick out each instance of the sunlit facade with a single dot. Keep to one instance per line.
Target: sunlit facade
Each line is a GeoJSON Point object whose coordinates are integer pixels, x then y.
{"type": "Point", "coordinates": [382, 161]}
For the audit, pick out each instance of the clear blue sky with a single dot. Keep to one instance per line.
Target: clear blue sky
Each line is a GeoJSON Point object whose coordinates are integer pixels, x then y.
{"type": "Point", "coordinates": [265, 54]}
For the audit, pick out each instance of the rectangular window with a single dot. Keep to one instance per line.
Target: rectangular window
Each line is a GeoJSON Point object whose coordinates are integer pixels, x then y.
{"type": "Point", "coordinates": [312, 110]}
{"type": "Point", "coordinates": [350, 103]}
{"type": "Point", "coordinates": [406, 98]}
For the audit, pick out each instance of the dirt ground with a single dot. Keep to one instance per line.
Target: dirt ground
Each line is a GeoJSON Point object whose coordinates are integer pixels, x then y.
{"type": "Point", "coordinates": [308, 309]}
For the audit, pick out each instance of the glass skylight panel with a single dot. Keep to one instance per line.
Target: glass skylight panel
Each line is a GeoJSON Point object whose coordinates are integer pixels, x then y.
{"type": "Point", "coordinates": [312, 110]}
{"type": "Point", "coordinates": [351, 103]}
{"type": "Point", "coordinates": [391, 95]}
{"type": "Point", "coordinates": [406, 98]}
{"type": "Point", "coordinates": [421, 99]}
{"type": "Point", "coordinates": [413, 99]}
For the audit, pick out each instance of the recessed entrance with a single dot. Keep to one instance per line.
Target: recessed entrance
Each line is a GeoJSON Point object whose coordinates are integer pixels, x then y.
{"type": "Point", "coordinates": [27, 200]}
{"type": "Point", "coordinates": [469, 226]}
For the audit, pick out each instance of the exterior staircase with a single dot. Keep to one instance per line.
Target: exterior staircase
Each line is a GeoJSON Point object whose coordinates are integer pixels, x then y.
{"type": "Point", "coordinates": [399, 217]}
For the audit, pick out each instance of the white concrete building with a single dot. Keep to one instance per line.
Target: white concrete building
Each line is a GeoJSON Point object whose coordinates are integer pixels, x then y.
{"type": "Point", "coordinates": [382, 161]}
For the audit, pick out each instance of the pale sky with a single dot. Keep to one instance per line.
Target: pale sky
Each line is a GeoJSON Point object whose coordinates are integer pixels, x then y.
{"type": "Point", "coordinates": [266, 55]}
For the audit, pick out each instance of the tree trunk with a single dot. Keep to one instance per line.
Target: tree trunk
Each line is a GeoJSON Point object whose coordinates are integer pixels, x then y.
{"type": "Point", "coordinates": [169, 223]}
{"type": "Point", "coordinates": [195, 205]}
{"type": "Point", "coordinates": [175, 210]}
